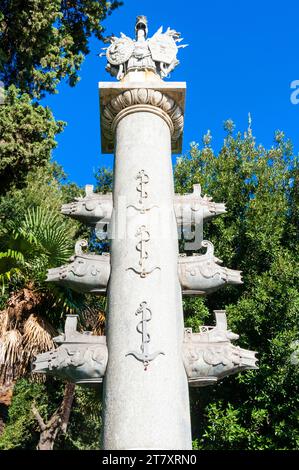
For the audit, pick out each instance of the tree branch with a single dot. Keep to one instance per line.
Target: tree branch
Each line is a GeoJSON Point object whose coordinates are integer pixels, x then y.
{"type": "Point", "coordinates": [67, 405]}
{"type": "Point", "coordinates": [38, 417]}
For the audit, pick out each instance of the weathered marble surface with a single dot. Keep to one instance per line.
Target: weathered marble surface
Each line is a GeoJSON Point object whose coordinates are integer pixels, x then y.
{"type": "Point", "coordinates": [146, 409]}
{"type": "Point", "coordinates": [86, 272]}
{"type": "Point", "coordinates": [80, 358]}
{"type": "Point", "coordinates": [202, 274]}
{"type": "Point", "coordinates": [209, 355]}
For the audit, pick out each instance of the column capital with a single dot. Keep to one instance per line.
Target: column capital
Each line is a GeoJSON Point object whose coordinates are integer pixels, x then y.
{"type": "Point", "coordinates": [167, 99]}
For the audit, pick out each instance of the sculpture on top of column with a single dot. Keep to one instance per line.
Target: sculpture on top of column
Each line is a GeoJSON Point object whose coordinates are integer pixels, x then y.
{"type": "Point", "coordinates": [156, 54]}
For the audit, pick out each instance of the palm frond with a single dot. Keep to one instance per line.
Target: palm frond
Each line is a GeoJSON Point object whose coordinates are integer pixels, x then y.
{"type": "Point", "coordinates": [49, 233]}
{"type": "Point", "coordinates": [37, 337]}
{"type": "Point", "coordinates": [94, 318]}
{"type": "Point", "coordinates": [23, 302]}
{"type": "Point", "coordinates": [10, 263]}
{"type": "Point", "coordinates": [11, 349]}
{"type": "Point", "coordinates": [4, 322]}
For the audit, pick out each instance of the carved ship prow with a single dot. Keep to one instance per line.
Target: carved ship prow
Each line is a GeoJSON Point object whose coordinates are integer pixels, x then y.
{"type": "Point", "coordinates": [202, 274]}
{"type": "Point", "coordinates": [209, 355]}
{"type": "Point", "coordinates": [86, 272]}
{"type": "Point", "coordinates": [81, 358]}
{"type": "Point", "coordinates": [189, 209]}
{"type": "Point", "coordinates": [90, 209]}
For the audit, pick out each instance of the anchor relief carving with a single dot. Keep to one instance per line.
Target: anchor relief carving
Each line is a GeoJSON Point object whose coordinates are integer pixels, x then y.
{"type": "Point", "coordinates": [144, 236]}
{"type": "Point", "coordinates": [142, 179]}
{"type": "Point", "coordinates": [142, 231]}
{"type": "Point", "coordinates": [144, 356]}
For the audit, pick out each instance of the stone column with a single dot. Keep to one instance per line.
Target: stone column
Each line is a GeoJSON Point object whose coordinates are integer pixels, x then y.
{"type": "Point", "coordinates": [146, 399]}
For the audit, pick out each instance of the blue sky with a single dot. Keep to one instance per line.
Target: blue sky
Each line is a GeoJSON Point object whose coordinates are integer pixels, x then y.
{"type": "Point", "coordinates": [242, 57]}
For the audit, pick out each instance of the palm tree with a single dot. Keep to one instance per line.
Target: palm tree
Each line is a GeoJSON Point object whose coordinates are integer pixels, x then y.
{"type": "Point", "coordinates": [41, 240]}
{"type": "Point", "coordinates": [32, 308]}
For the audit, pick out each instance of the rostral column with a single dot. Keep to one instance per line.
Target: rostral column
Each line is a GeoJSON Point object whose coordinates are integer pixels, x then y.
{"type": "Point", "coordinates": [150, 355]}
{"type": "Point", "coordinates": [146, 399]}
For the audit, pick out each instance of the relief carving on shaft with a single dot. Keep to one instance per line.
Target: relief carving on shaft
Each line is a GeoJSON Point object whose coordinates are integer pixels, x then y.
{"type": "Point", "coordinates": [144, 236]}
{"type": "Point", "coordinates": [142, 231]}
{"type": "Point", "coordinates": [144, 356]}
{"type": "Point", "coordinates": [142, 179]}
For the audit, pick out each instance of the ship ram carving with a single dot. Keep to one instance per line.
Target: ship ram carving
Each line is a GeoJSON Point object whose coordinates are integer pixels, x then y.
{"type": "Point", "coordinates": [90, 209]}
{"type": "Point", "coordinates": [203, 274]}
{"type": "Point", "coordinates": [194, 208]}
{"type": "Point", "coordinates": [209, 355]}
{"type": "Point", "coordinates": [189, 208]}
{"type": "Point", "coordinates": [86, 272]}
{"type": "Point", "coordinates": [80, 358]}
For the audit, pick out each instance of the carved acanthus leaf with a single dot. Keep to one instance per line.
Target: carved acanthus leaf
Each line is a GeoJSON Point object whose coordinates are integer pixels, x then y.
{"type": "Point", "coordinates": [142, 96]}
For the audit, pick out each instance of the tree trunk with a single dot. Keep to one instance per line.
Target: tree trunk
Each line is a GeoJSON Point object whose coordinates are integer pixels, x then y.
{"type": "Point", "coordinates": [68, 398]}
{"type": "Point", "coordinates": [49, 430]}
{"type": "Point", "coordinates": [58, 421]}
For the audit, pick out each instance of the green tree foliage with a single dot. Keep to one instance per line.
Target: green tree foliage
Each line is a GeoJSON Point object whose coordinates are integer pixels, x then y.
{"type": "Point", "coordinates": [32, 232]}
{"type": "Point", "coordinates": [27, 137]}
{"type": "Point", "coordinates": [22, 432]}
{"type": "Point", "coordinates": [259, 235]}
{"type": "Point", "coordinates": [43, 42]}
{"type": "Point", "coordinates": [86, 416]}
{"type": "Point", "coordinates": [104, 180]}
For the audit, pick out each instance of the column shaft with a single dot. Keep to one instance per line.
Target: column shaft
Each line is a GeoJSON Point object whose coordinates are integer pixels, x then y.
{"type": "Point", "coordinates": [146, 409]}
